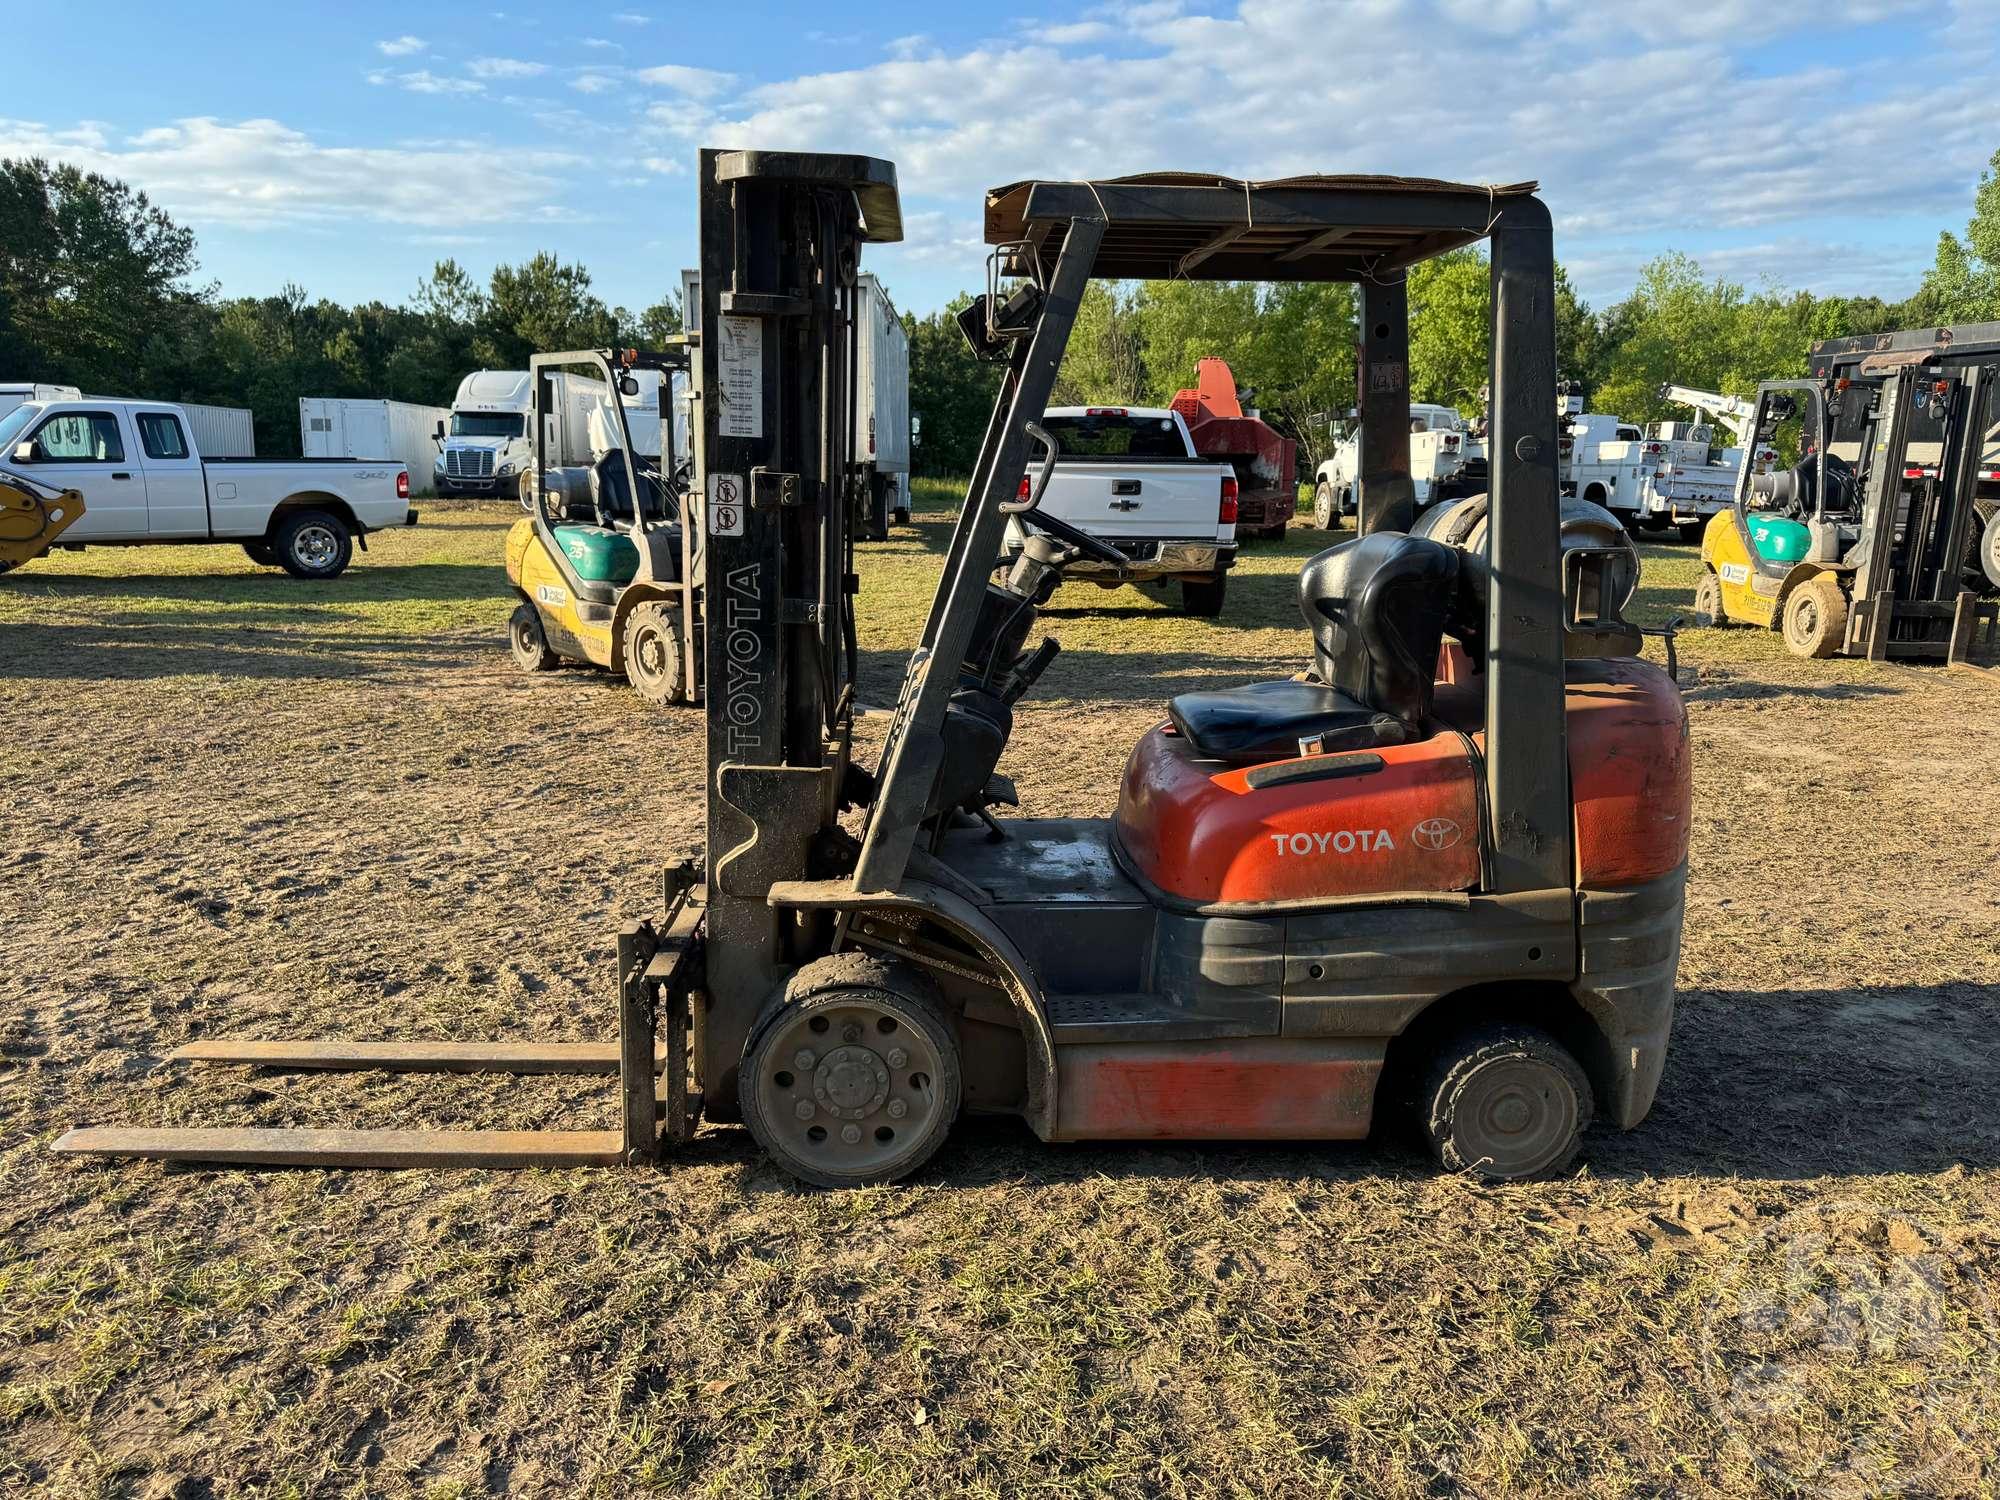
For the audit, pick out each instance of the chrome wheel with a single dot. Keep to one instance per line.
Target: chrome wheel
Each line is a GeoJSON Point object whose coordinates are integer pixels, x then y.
{"type": "Point", "coordinates": [314, 546]}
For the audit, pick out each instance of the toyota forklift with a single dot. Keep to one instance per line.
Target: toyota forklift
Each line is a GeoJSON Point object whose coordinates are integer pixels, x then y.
{"type": "Point", "coordinates": [1868, 545]}
{"type": "Point", "coordinates": [604, 564]}
{"type": "Point", "coordinates": [1442, 870]}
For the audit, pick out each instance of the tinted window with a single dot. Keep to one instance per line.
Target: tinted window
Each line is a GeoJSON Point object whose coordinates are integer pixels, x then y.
{"type": "Point", "coordinates": [1114, 435]}
{"type": "Point", "coordinates": [160, 435]}
{"type": "Point", "coordinates": [86, 437]}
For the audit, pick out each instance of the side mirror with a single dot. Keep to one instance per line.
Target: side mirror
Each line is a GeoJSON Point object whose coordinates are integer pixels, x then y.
{"type": "Point", "coordinates": [24, 452]}
{"type": "Point", "coordinates": [627, 386]}
{"type": "Point", "coordinates": [438, 436]}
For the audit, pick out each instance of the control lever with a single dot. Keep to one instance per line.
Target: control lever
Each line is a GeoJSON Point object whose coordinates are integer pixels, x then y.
{"type": "Point", "coordinates": [1026, 672]}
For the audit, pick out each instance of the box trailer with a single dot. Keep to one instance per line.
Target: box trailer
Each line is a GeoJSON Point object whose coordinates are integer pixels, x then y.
{"type": "Point", "coordinates": [222, 431]}
{"type": "Point", "coordinates": [15, 393]}
{"type": "Point", "coordinates": [372, 427]}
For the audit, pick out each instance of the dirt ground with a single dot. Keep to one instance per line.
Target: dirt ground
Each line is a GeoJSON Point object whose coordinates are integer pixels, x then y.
{"type": "Point", "coordinates": [237, 804]}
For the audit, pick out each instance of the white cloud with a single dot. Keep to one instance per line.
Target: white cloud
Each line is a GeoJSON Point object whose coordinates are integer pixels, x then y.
{"type": "Point", "coordinates": [631, 18]}
{"type": "Point", "coordinates": [1652, 119]}
{"type": "Point", "coordinates": [664, 166]}
{"type": "Point", "coordinates": [261, 174]}
{"type": "Point", "coordinates": [1074, 33]}
{"type": "Point", "coordinates": [424, 81]}
{"type": "Point", "coordinates": [402, 46]}
{"type": "Point", "coordinates": [598, 41]}
{"type": "Point", "coordinates": [696, 83]}
{"type": "Point", "coordinates": [593, 83]}
{"type": "Point", "coordinates": [504, 67]}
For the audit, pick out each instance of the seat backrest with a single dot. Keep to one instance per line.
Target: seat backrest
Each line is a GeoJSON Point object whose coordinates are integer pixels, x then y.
{"type": "Point", "coordinates": [1377, 608]}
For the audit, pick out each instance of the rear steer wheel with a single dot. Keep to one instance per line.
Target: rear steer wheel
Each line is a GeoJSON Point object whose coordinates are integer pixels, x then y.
{"type": "Point", "coordinates": [852, 1077]}
{"type": "Point", "coordinates": [654, 655]}
{"type": "Point", "coordinates": [313, 544]}
{"type": "Point", "coordinates": [528, 642]}
{"type": "Point", "coordinates": [1708, 610]}
{"type": "Point", "coordinates": [1505, 1102]}
{"type": "Point", "coordinates": [261, 553]}
{"type": "Point", "coordinates": [1202, 598]}
{"type": "Point", "coordinates": [1815, 622]}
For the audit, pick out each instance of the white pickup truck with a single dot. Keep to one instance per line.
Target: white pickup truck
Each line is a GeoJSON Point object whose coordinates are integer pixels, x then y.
{"type": "Point", "coordinates": [142, 482]}
{"type": "Point", "coordinates": [1129, 476]}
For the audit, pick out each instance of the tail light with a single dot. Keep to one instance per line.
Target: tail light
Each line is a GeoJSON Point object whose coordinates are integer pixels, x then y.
{"type": "Point", "coordinates": [1105, 411]}
{"type": "Point", "coordinates": [402, 484]}
{"type": "Point", "coordinates": [1652, 447]}
{"type": "Point", "coordinates": [1023, 492]}
{"type": "Point", "coordinates": [871, 437]}
{"type": "Point", "coordinates": [1226, 516]}
{"type": "Point", "coordinates": [1451, 443]}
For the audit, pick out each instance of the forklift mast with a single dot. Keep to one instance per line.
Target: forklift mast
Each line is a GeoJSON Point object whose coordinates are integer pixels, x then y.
{"type": "Point", "coordinates": [781, 237]}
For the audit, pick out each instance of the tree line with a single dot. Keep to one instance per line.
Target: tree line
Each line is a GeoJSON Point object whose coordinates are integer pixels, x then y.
{"type": "Point", "coordinates": [98, 289]}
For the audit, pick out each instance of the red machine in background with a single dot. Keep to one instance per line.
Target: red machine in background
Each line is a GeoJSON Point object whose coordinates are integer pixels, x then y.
{"type": "Point", "coordinates": [1265, 460]}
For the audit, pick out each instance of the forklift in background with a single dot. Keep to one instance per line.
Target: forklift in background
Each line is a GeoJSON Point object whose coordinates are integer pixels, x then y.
{"type": "Point", "coordinates": [32, 516]}
{"type": "Point", "coordinates": [1445, 868]}
{"type": "Point", "coordinates": [605, 562]}
{"type": "Point", "coordinates": [1866, 546]}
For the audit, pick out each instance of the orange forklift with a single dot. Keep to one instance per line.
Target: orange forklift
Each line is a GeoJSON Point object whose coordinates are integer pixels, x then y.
{"type": "Point", "coordinates": [1443, 868]}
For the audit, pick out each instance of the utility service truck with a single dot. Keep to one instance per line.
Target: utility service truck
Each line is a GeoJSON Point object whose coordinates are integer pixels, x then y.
{"type": "Point", "coordinates": [1441, 442]}
{"type": "Point", "coordinates": [143, 479]}
{"type": "Point", "coordinates": [1129, 476]}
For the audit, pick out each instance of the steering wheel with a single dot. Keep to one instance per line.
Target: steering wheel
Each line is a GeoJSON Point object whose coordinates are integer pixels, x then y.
{"type": "Point", "coordinates": [1083, 541]}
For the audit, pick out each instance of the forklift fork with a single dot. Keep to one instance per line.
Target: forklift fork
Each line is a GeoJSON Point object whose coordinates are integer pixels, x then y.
{"type": "Point", "coordinates": [658, 973]}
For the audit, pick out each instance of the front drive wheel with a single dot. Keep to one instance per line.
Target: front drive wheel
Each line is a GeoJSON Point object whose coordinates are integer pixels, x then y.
{"type": "Point", "coordinates": [853, 1077]}
{"type": "Point", "coordinates": [1505, 1102]}
{"type": "Point", "coordinates": [654, 654]}
{"type": "Point", "coordinates": [528, 642]}
{"type": "Point", "coordinates": [1708, 611]}
{"type": "Point", "coordinates": [1203, 598]}
{"type": "Point", "coordinates": [1324, 506]}
{"type": "Point", "coordinates": [1815, 622]}
{"type": "Point", "coordinates": [313, 544]}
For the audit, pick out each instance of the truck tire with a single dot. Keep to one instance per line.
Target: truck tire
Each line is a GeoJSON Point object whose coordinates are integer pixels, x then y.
{"type": "Point", "coordinates": [654, 654]}
{"type": "Point", "coordinates": [1708, 611]}
{"type": "Point", "coordinates": [261, 554]}
{"type": "Point", "coordinates": [1326, 509]}
{"type": "Point", "coordinates": [1691, 530]}
{"type": "Point", "coordinates": [901, 515]}
{"type": "Point", "coordinates": [1505, 1102]}
{"type": "Point", "coordinates": [1202, 598]}
{"type": "Point", "coordinates": [312, 544]}
{"type": "Point", "coordinates": [1815, 622]}
{"type": "Point", "coordinates": [8, 567]}
{"type": "Point", "coordinates": [852, 1077]}
{"type": "Point", "coordinates": [527, 641]}
{"type": "Point", "coordinates": [1989, 550]}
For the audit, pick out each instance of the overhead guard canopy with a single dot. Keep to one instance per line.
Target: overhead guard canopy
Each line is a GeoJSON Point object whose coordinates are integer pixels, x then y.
{"type": "Point", "coordinates": [869, 178]}
{"type": "Point", "coordinates": [1162, 225]}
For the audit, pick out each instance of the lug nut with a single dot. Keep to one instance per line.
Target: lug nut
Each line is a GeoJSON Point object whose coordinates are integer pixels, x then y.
{"type": "Point", "coordinates": [897, 1109]}
{"type": "Point", "coordinates": [803, 1109]}
{"type": "Point", "coordinates": [851, 1134]}
{"type": "Point", "coordinates": [897, 1057]}
{"type": "Point", "coordinates": [804, 1058]}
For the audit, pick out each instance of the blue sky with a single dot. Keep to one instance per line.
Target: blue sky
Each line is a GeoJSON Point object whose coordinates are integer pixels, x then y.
{"type": "Point", "coordinates": [346, 149]}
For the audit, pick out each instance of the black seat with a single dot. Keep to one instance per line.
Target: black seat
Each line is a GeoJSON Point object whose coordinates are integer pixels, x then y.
{"type": "Point", "coordinates": [1377, 607]}
{"type": "Point", "coordinates": [614, 491]}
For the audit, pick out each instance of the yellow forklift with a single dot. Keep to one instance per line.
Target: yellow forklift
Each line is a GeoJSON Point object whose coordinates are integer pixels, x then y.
{"type": "Point", "coordinates": [1861, 548]}
{"type": "Point", "coordinates": [604, 564]}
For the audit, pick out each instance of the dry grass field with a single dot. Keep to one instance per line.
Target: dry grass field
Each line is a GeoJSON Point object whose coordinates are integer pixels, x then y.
{"type": "Point", "coordinates": [240, 804]}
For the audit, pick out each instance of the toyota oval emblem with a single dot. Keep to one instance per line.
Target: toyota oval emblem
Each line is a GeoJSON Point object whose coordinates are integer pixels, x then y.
{"type": "Point", "coordinates": [1434, 833]}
